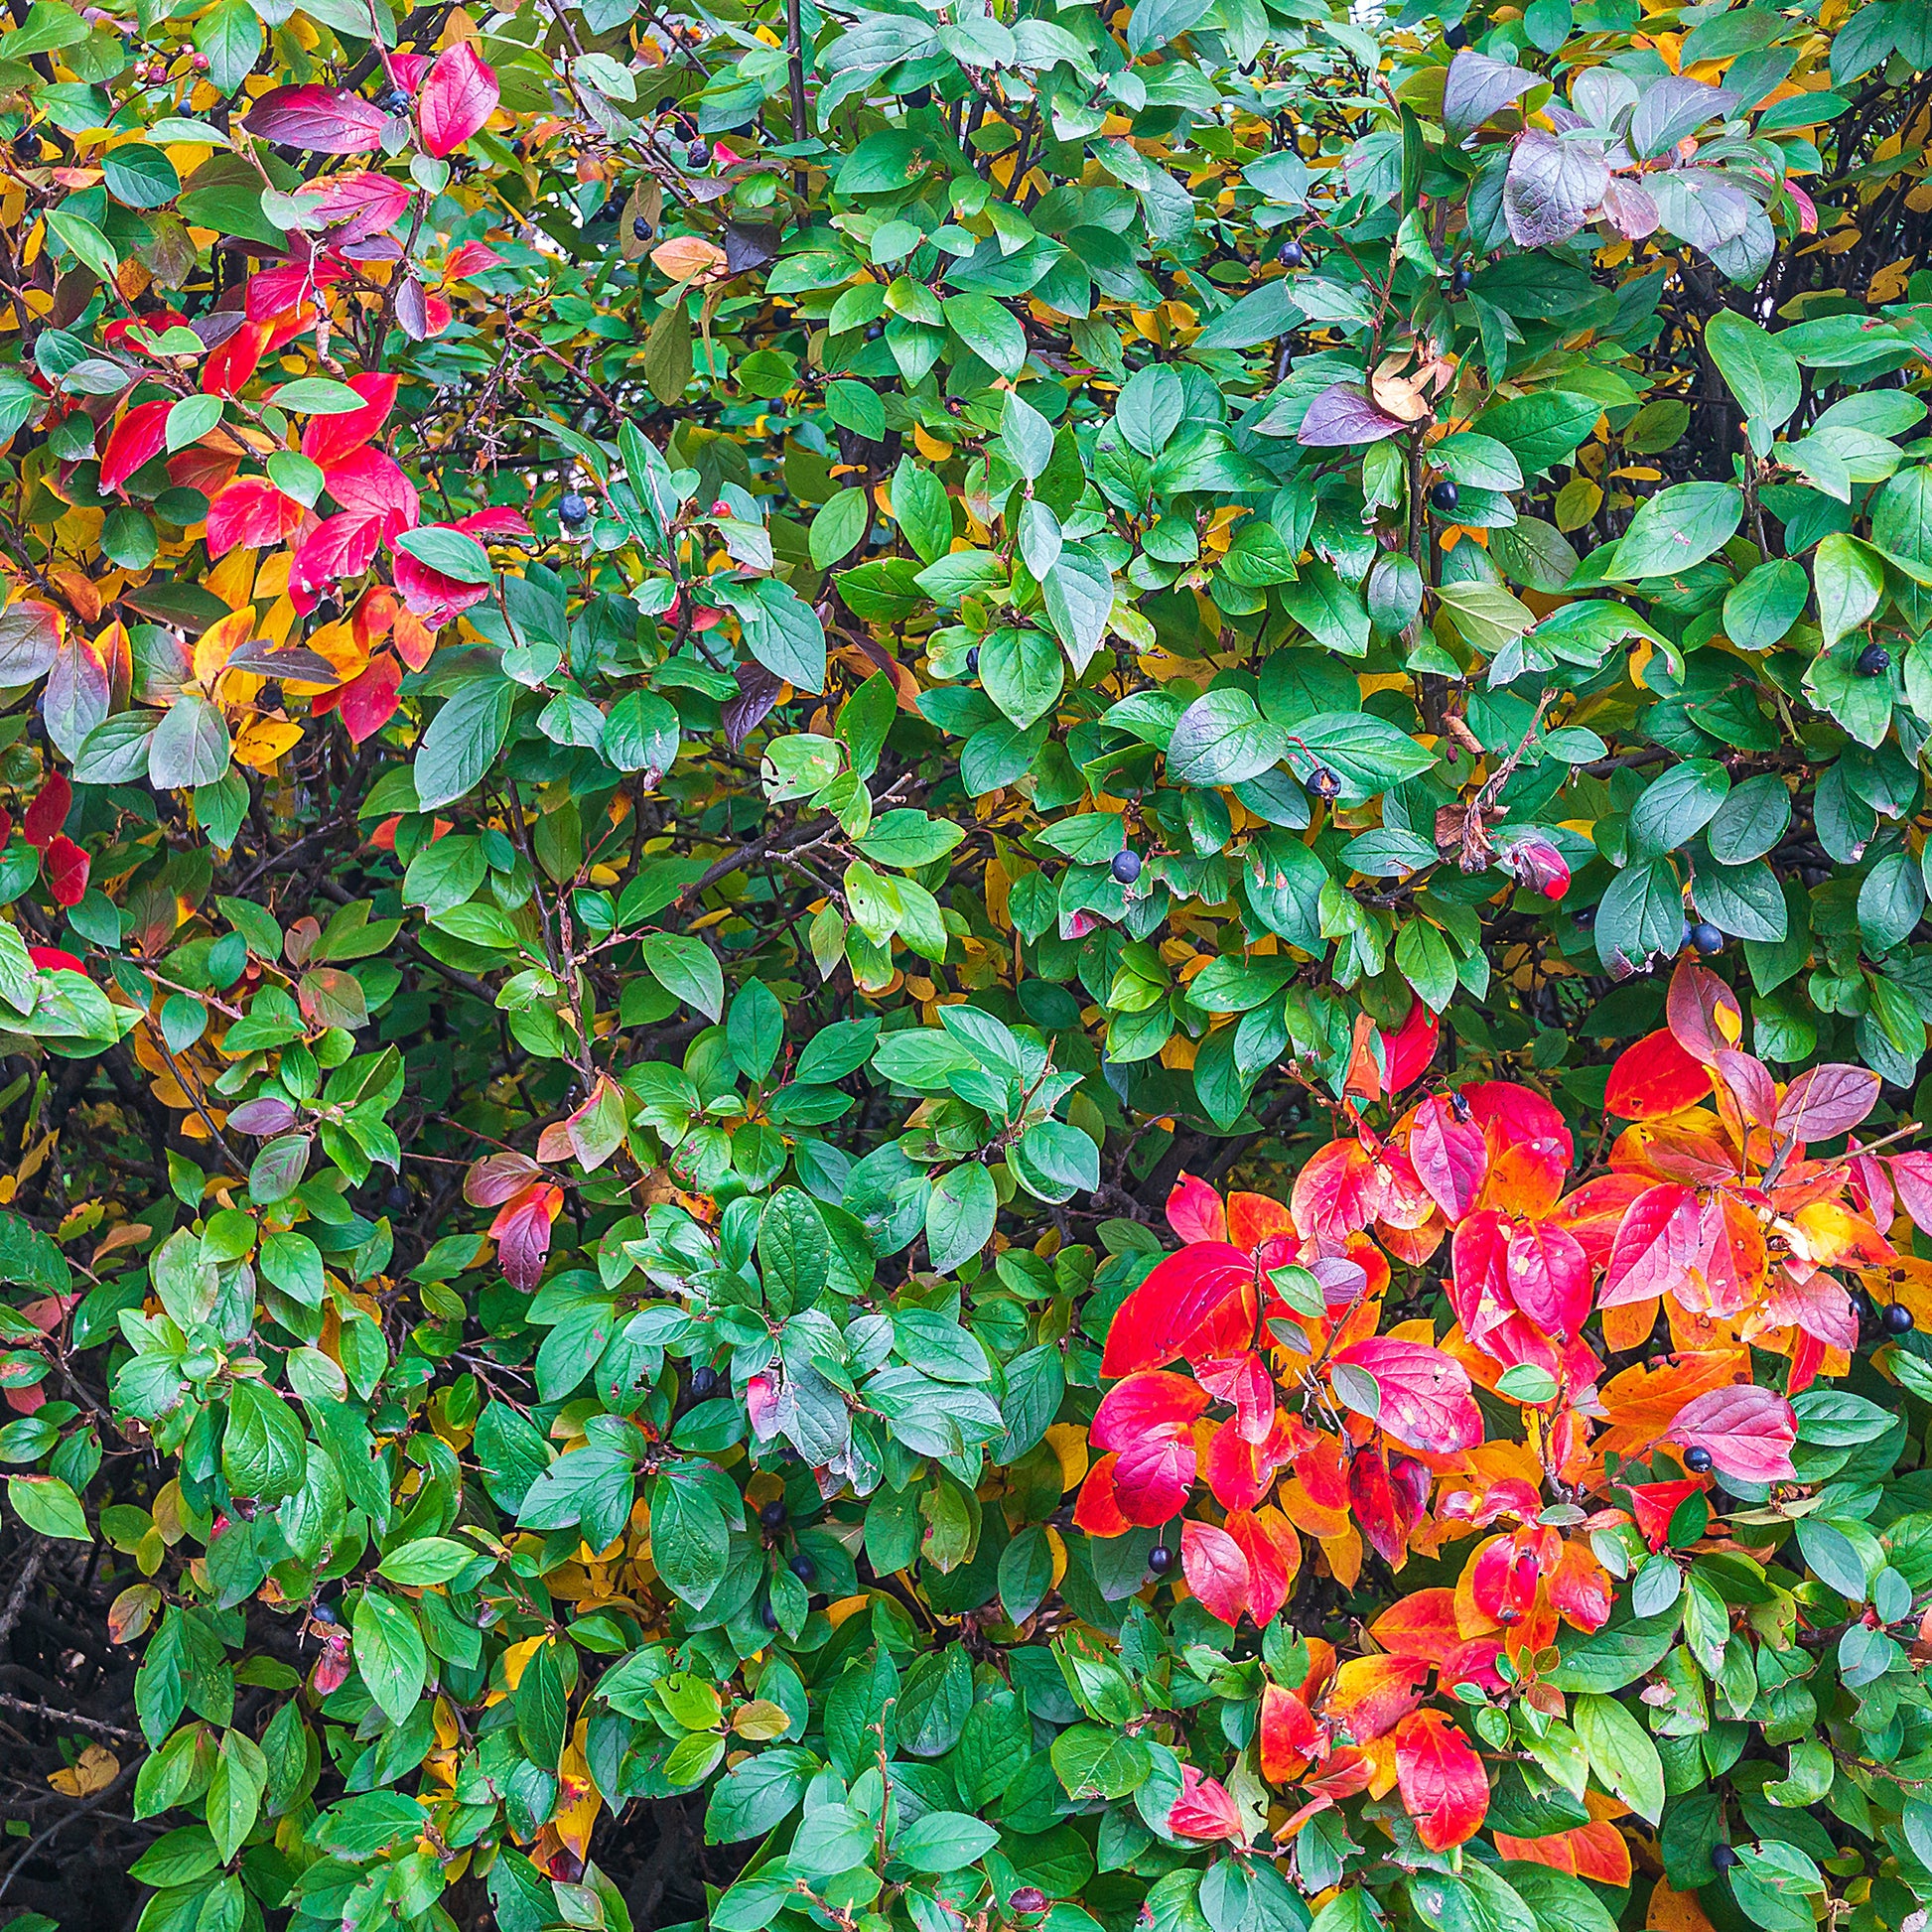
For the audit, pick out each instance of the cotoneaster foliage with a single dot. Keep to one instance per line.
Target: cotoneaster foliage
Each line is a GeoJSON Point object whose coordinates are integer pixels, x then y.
{"type": "Point", "coordinates": [690, 702]}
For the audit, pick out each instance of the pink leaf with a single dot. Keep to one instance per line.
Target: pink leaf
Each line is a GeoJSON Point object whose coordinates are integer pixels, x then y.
{"type": "Point", "coordinates": [1426, 1402]}
{"type": "Point", "coordinates": [1656, 1242]}
{"type": "Point", "coordinates": [1696, 1008]}
{"type": "Point", "coordinates": [1827, 1101]}
{"type": "Point", "coordinates": [323, 120]}
{"type": "Point", "coordinates": [1205, 1808]}
{"type": "Point", "coordinates": [1216, 1570]}
{"type": "Point", "coordinates": [1450, 1156]}
{"type": "Point", "coordinates": [1194, 1211]}
{"type": "Point", "coordinates": [459, 97]}
{"type": "Point", "coordinates": [1748, 1431]}
{"type": "Point", "coordinates": [252, 511]}
{"type": "Point", "coordinates": [1342, 416]}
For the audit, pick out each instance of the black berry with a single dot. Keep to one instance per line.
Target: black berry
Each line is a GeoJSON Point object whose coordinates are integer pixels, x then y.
{"type": "Point", "coordinates": [395, 101]}
{"type": "Point", "coordinates": [919, 98]}
{"type": "Point", "coordinates": [1723, 1857]}
{"type": "Point", "coordinates": [573, 509]}
{"type": "Point", "coordinates": [1127, 866]}
{"type": "Point", "coordinates": [773, 1515]}
{"type": "Point", "coordinates": [1697, 1462]}
{"type": "Point", "coordinates": [1443, 494]}
{"type": "Point", "coordinates": [973, 661]}
{"type": "Point", "coordinates": [703, 1381]}
{"type": "Point", "coordinates": [1897, 1320]}
{"type": "Point", "coordinates": [768, 1617]}
{"type": "Point", "coordinates": [1159, 1558]}
{"type": "Point", "coordinates": [1293, 254]}
{"type": "Point", "coordinates": [1584, 917]}
{"type": "Point", "coordinates": [803, 1568]}
{"type": "Point", "coordinates": [1459, 1106]}
{"type": "Point", "coordinates": [698, 154]}
{"type": "Point", "coordinates": [1861, 1305]}
{"type": "Point", "coordinates": [1456, 37]}
{"type": "Point", "coordinates": [323, 1612]}
{"type": "Point", "coordinates": [1874, 661]}
{"type": "Point", "coordinates": [1323, 782]}
{"type": "Point", "coordinates": [641, 228]}
{"type": "Point", "coordinates": [1707, 938]}
{"type": "Point", "coordinates": [1460, 280]}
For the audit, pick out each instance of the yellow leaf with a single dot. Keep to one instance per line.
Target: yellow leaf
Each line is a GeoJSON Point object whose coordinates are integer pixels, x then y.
{"type": "Point", "coordinates": [264, 741]}
{"type": "Point", "coordinates": [96, 1768]}
{"type": "Point", "coordinates": [761, 1720]}
{"type": "Point", "coordinates": [687, 256]}
{"type": "Point", "coordinates": [220, 641]}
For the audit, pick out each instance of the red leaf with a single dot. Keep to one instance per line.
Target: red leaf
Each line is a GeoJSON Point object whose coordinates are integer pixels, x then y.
{"type": "Point", "coordinates": [358, 205]}
{"type": "Point", "coordinates": [1549, 1277]}
{"type": "Point", "coordinates": [1425, 1400]}
{"type": "Point", "coordinates": [1750, 1084]}
{"type": "Point", "coordinates": [1288, 1733]}
{"type": "Point", "coordinates": [252, 511]}
{"type": "Point", "coordinates": [1150, 1402]}
{"type": "Point", "coordinates": [1656, 1242]}
{"type": "Point", "coordinates": [431, 594]}
{"type": "Point", "coordinates": [521, 1231]}
{"type": "Point", "coordinates": [323, 120]}
{"type": "Point", "coordinates": [228, 366]}
{"type": "Point", "coordinates": [1450, 1156]}
{"type": "Point", "coordinates": [330, 438]}
{"type": "Point", "coordinates": [1342, 416]}
{"type": "Point", "coordinates": [1419, 1625]}
{"type": "Point", "coordinates": [1255, 1220]}
{"type": "Point", "coordinates": [1827, 1101]}
{"type": "Point", "coordinates": [1206, 1809]}
{"type": "Point", "coordinates": [1269, 1565]}
{"type": "Point", "coordinates": [1097, 1509]}
{"type": "Point", "coordinates": [1441, 1780]}
{"type": "Point", "coordinates": [1702, 1012]}
{"type": "Point", "coordinates": [48, 812]}
{"type": "Point", "coordinates": [340, 546]}
{"type": "Point", "coordinates": [1177, 1298]}
{"type": "Point", "coordinates": [1337, 1191]}
{"type": "Point", "coordinates": [459, 97]}
{"type": "Point", "coordinates": [1749, 1432]}
{"type": "Point", "coordinates": [65, 866]}
{"type": "Point", "coordinates": [1653, 1504]}
{"type": "Point", "coordinates": [1216, 1570]}
{"type": "Point", "coordinates": [1655, 1078]}
{"type": "Point", "coordinates": [472, 258]}
{"type": "Point", "coordinates": [371, 484]}
{"type": "Point", "coordinates": [138, 438]}
{"type": "Point", "coordinates": [1152, 1477]}
{"type": "Point", "coordinates": [50, 959]}
{"type": "Point", "coordinates": [1194, 1211]}
{"type": "Point", "coordinates": [1378, 1506]}
{"type": "Point", "coordinates": [1372, 1694]}
{"type": "Point", "coordinates": [368, 702]}
{"type": "Point", "coordinates": [498, 1177]}
{"type": "Point", "coordinates": [1408, 1050]}
{"type": "Point", "coordinates": [1911, 1175]}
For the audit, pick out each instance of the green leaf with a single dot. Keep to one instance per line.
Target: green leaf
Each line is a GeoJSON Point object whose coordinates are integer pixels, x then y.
{"type": "Point", "coordinates": [388, 1649]}
{"type": "Point", "coordinates": [426, 1559]}
{"type": "Point", "coordinates": [49, 1506]}
{"type": "Point", "coordinates": [264, 1451]}
{"type": "Point", "coordinates": [944, 1841]}
{"type": "Point", "coordinates": [989, 330]}
{"type": "Point", "coordinates": [1851, 584]}
{"type": "Point", "coordinates": [1677, 806]}
{"type": "Point", "coordinates": [960, 1211]}
{"type": "Point", "coordinates": [189, 745]}
{"type": "Point", "coordinates": [839, 525]}
{"type": "Point", "coordinates": [1680, 527]}
{"type": "Point", "coordinates": [1621, 1754]}
{"type": "Point", "coordinates": [687, 967]}
{"type": "Point", "coordinates": [1762, 375]}
{"type": "Point", "coordinates": [463, 740]}
{"type": "Point", "coordinates": [454, 553]}
{"type": "Point", "coordinates": [234, 1793]}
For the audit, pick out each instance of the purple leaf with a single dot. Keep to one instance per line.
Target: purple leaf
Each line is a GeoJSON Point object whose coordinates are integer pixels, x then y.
{"type": "Point", "coordinates": [1342, 415]}
{"type": "Point", "coordinates": [1550, 187]}
{"type": "Point", "coordinates": [1477, 87]}
{"type": "Point", "coordinates": [262, 1117]}
{"type": "Point", "coordinates": [1670, 109]}
{"type": "Point", "coordinates": [1628, 208]}
{"type": "Point", "coordinates": [757, 692]}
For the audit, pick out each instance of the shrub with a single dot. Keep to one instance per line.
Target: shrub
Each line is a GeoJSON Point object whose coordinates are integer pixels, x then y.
{"type": "Point", "coordinates": [693, 702]}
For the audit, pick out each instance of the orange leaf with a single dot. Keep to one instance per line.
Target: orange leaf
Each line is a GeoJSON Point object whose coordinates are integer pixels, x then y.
{"type": "Point", "coordinates": [1654, 1079]}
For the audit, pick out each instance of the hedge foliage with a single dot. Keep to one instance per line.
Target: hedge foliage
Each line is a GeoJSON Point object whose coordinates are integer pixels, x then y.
{"type": "Point", "coordinates": [697, 703]}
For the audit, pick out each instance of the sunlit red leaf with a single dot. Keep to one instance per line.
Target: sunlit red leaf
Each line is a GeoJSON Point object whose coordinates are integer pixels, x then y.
{"type": "Point", "coordinates": [1422, 1624]}
{"type": "Point", "coordinates": [251, 512]}
{"type": "Point", "coordinates": [1178, 1297]}
{"type": "Point", "coordinates": [1653, 1504]}
{"type": "Point", "coordinates": [1408, 1050]}
{"type": "Point", "coordinates": [1378, 1506]}
{"type": "Point", "coordinates": [229, 366]}
{"type": "Point", "coordinates": [1146, 1403]}
{"type": "Point", "coordinates": [328, 439]}
{"type": "Point", "coordinates": [1245, 1381]}
{"type": "Point", "coordinates": [459, 97]}
{"type": "Point", "coordinates": [1205, 1808]}
{"type": "Point", "coordinates": [1337, 1191]}
{"type": "Point", "coordinates": [1370, 1695]}
{"type": "Point", "coordinates": [322, 120]}
{"type": "Point", "coordinates": [368, 702]}
{"type": "Point", "coordinates": [1194, 1211]}
{"type": "Point", "coordinates": [1426, 1402]}
{"type": "Point", "coordinates": [1286, 1734]}
{"type": "Point", "coordinates": [1097, 1509]}
{"type": "Point", "coordinates": [1217, 1569]}
{"type": "Point", "coordinates": [1444, 1788]}
{"type": "Point", "coordinates": [1272, 1555]}
{"type": "Point", "coordinates": [1449, 1156]}
{"type": "Point", "coordinates": [138, 438]}
{"type": "Point", "coordinates": [1260, 1225]}
{"type": "Point", "coordinates": [1654, 1078]}
{"type": "Point", "coordinates": [1656, 1243]}
{"type": "Point", "coordinates": [371, 484]}
{"type": "Point", "coordinates": [1548, 1275]}
{"type": "Point", "coordinates": [1152, 1475]}
{"type": "Point", "coordinates": [1596, 1851]}
{"type": "Point", "coordinates": [1749, 1432]}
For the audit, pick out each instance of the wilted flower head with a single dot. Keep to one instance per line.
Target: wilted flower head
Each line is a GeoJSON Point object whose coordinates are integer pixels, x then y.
{"type": "Point", "coordinates": [1531, 860]}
